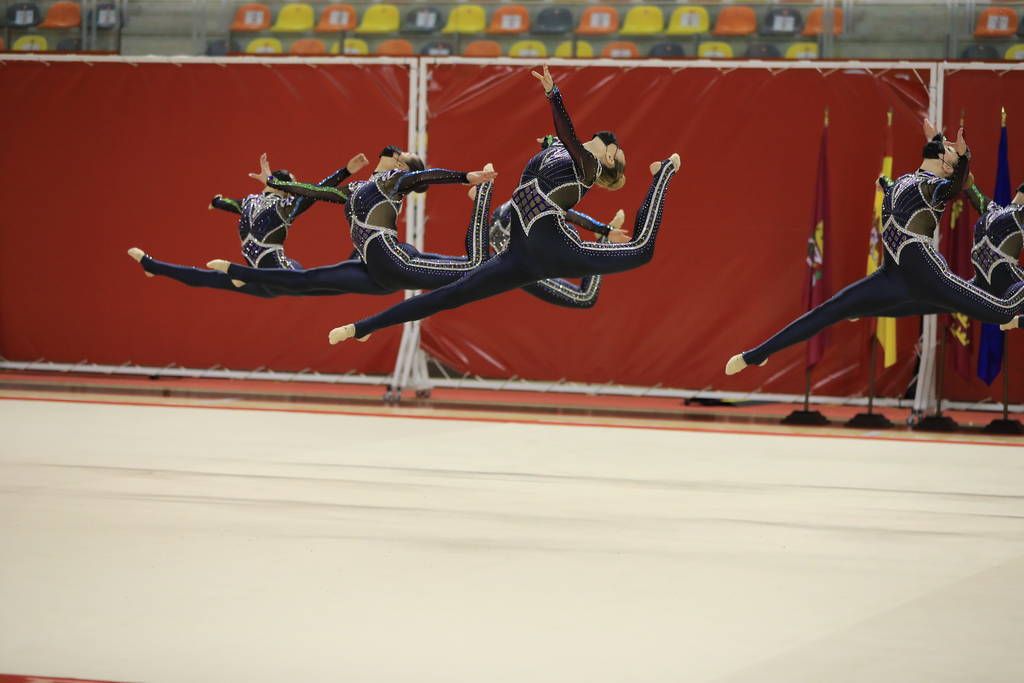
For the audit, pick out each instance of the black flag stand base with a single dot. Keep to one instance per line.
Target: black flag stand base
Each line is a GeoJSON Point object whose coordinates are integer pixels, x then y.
{"type": "Point", "coordinates": [1005, 425]}
{"type": "Point", "coordinates": [806, 417]}
{"type": "Point", "coordinates": [870, 419]}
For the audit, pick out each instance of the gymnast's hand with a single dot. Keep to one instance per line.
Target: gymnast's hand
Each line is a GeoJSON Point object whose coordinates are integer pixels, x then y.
{"type": "Point", "coordinates": [356, 163]}
{"type": "Point", "coordinates": [961, 144]}
{"type": "Point", "coordinates": [929, 129]}
{"type": "Point", "coordinates": [477, 177]}
{"type": "Point", "coordinates": [264, 175]}
{"type": "Point", "coordinates": [546, 80]}
{"type": "Point", "coordinates": [617, 235]}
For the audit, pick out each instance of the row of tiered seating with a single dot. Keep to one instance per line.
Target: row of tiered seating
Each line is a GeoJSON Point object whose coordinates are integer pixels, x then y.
{"type": "Point", "coordinates": [471, 19]}
{"type": "Point", "coordinates": [616, 49]}
{"type": "Point", "coordinates": [61, 22]}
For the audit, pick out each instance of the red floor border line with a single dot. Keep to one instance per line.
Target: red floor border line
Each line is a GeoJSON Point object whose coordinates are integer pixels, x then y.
{"type": "Point", "coordinates": [497, 420]}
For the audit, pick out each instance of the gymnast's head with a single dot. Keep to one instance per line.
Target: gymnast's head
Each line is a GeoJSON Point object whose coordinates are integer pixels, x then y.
{"type": "Point", "coordinates": [392, 157]}
{"type": "Point", "coordinates": [281, 175]}
{"type": "Point", "coordinates": [612, 173]}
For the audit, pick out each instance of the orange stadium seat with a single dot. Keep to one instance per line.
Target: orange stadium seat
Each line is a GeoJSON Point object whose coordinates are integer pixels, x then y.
{"type": "Point", "coordinates": [394, 47]}
{"type": "Point", "coordinates": [482, 48]}
{"type": "Point", "coordinates": [308, 46]}
{"type": "Point", "coordinates": [598, 20]}
{"type": "Point", "coordinates": [816, 20]}
{"type": "Point", "coordinates": [251, 17]}
{"type": "Point", "coordinates": [63, 14]}
{"type": "Point", "coordinates": [996, 22]}
{"type": "Point", "coordinates": [620, 49]}
{"type": "Point", "coordinates": [735, 21]}
{"type": "Point", "coordinates": [337, 17]}
{"type": "Point", "coordinates": [509, 20]}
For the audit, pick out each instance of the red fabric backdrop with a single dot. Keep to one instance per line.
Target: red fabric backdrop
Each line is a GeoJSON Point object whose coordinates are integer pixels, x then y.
{"type": "Point", "coordinates": [729, 267]}
{"type": "Point", "coordinates": [979, 95]}
{"type": "Point", "coordinates": [100, 158]}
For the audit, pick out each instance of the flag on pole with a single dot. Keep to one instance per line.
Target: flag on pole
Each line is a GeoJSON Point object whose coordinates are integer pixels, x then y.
{"type": "Point", "coordinates": [816, 290]}
{"type": "Point", "coordinates": [990, 349]}
{"type": "Point", "coordinates": [958, 253]}
{"type": "Point", "coordinates": [885, 328]}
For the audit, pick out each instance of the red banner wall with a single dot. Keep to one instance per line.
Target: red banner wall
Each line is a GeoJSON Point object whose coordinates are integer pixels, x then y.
{"type": "Point", "coordinates": [730, 260]}
{"type": "Point", "coordinates": [98, 158]}
{"type": "Point", "coordinates": [978, 96]}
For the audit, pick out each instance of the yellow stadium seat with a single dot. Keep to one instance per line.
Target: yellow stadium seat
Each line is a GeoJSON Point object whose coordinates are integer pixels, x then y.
{"type": "Point", "coordinates": [353, 46]}
{"type": "Point", "coordinates": [30, 44]}
{"type": "Point", "coordinates": [714, 50]}
{"type": "Point", "coordinates": [580, 48]}
{"type": "Point", "coordinates": [264, 46]}
{"type": "Point", "coordinates": [688, 21]}
{"type": "Point", "coordinates": [1014, 53]}
{"type": "Point", "coordinates": [528, 48]}
{"type": "Point", "coordinates": [466, 19]}
{"type": "Point", "coordinates": [643, 20]}
{"type": "Point", "coordinates": [379, 19]}
{"type": "Point", "coordinates": [802, 51]}
{"type": "Point", "coordinates": [294, 17]}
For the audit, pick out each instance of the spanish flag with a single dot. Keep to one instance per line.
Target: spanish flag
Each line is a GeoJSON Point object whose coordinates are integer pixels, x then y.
{"type": "Point", "coordinates": [885, 329]}
{"type": "Point", "coordinates": [816, 289]}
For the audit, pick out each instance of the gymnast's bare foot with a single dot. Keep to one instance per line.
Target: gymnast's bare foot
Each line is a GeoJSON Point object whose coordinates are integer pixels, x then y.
{"type": "Point", "coordinates": [222, 266]}
{"type": "Point", "coordinates": [344, 333]}
{"type": "Point", "coordinates": [137, 254]}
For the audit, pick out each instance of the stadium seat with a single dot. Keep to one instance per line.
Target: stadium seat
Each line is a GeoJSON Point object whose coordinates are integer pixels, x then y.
{"type": "Point", "coordinates": [996, 22]}
{"type": "Point", "coordinates": [714, 50]}
{"type": "Point", "coordinates": [438, 48]}
{"type": "Point", "coordinates": [395, 47]}
{"type": "Point", "coordinates": [379, 19]}
{"type": "Point", "coordinates": [69, 44]}
{"type": "Point", "coordinates": [337, 18]}
{"type": "Point", "coordinates": [980, 52]}
{"type": "Point", "coordinates": [667, 51]}
{"type": "Point", "coordinates": [422, 20]}
{"type": "Point", "coordinates": [598, 20]}
{"type": "Point", "coordinates": [482, 48]}
{"type": "Point", "coordinates": [688, 21]}
{"type": "Point", "coordinates": [643, 20]}
{"type": "Point", "coordinates": [735, 21]}
{"type": "Point", "coordinates": [620, 49]}
{"type": "Point", "coordinates": [509, 19]}
{"type": "Point", "coordinates": [31, 43]}
{"type": "Point", "coordinates": [528, 48]}
{"type": "Point", "coordinates": [264, 46]}
{"type": "Point", "coordinates": [23, 15]}
{"type": "Point", "coordinates": [553, 20]}
{"type": "Point", "coordinates": [63, 14]}
{"type": "Point", "coordinates": [816, 20]}
{"type": "Point", "coordinates": [802, 51]}
{"type": "Point", "coordinates": [353, 46]}
{"type": "Point", "coordinates": [217, 48]}
{"type": "Point", "coordinates": [782, 21]}
{"type": "Point", "coordinates": [578, 48]}
{"type": "Point", "coordinates": [466, 19]}
{"type": "Point", "coordinates": [108, 16]}
{"type": "Point", "coordinates": [762, 51]}
{"type": "Point", "coordinates": [308, 46]}
{"type": "Point", "coordinates": [1014, 53]}
{"type": "Point", "coordinates": [251, 18]}
{"type": "Point", "coordinates": [295, 17]}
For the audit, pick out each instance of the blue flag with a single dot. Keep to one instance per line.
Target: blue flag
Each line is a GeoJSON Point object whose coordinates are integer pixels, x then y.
{"type": "Point", "coordinates": [990, 351]}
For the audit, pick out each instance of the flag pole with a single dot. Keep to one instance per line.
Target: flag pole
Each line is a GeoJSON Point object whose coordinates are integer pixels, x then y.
{"type": "Point", "coordinates": [938, 422]}
{"type": "Point", "coordinates": [806, 416]}
{"type": "Point", "coordinates": [871, 419]}
{"type": "Point", "coordinates": [1005, 425]}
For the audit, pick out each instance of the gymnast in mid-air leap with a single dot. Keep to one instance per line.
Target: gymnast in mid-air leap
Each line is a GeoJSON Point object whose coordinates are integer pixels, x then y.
{"type": "Point", "coordinates": [541, 245]}
{"type": "Point", "coordinates": [914, 278]}
{"type": "Point", "coordinates": [263, 224]}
